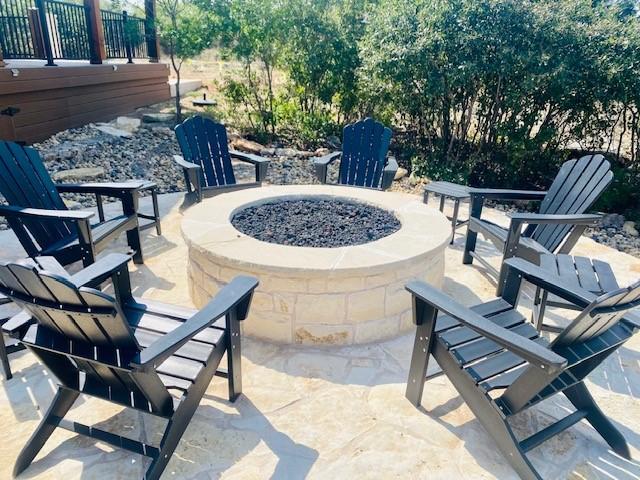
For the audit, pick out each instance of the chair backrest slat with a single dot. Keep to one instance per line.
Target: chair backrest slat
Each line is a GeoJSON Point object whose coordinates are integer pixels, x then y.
{"type": "Point", "coordinates": [364, 149]}
{"type": "Point", "coordinates": [601, 315]}
{"type": "Point", "coordinates": [24, 182]}
{"type": "Point", "coordinates": [83, 315]}
{"type": "Point", "coordinates": [204, 142]}
{"type": "Point", "coordinates": [576, 188]}
{"type": "Point", "coordinates": [82, 333]}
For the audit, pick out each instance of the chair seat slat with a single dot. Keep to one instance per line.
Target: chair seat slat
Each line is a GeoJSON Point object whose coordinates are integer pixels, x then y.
{"type": "Point", "coordinates": [587, 275]}
{"type": "Point", "coordinates": [460, 335]}
{"type": "Point", "coordinates": [156, 323]}
{"type": "Point", "coordinates": [180, 368]}
{"type": "Point", "coordinates": [487, 309]}
{"type": "Point", "coordinates": [497, 364]}
{"type": "Point", "coordinates": [191, 350]}
{"type": "Point", "coordinates": [481, 348]}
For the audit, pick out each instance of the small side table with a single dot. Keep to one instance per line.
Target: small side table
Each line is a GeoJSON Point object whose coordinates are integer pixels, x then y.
{"type": "Point", "coordinates": [592, 275]}
{"type": "Point", "coordinates": [151, 220]}
{"type": "Point", "coordinates": [454, 191]}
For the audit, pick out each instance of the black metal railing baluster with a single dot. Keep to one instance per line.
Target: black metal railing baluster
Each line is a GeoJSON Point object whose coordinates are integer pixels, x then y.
{"type": "Point", "coordinates": [127, 36]}
{"type": "Point", "coordinates": [46, 37]}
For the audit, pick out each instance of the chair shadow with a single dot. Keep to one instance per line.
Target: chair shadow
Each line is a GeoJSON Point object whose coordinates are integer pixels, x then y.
{"type": "Point", "coordinates": [192, 457]}
{"type": "Point", "coordinates": [31, 389]}
{"type": "Point", "coordinates": [575, 439]}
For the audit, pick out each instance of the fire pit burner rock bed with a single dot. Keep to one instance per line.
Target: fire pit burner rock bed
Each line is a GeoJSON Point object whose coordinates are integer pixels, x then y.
{"type": "Point", "coordinates": [316, 222]}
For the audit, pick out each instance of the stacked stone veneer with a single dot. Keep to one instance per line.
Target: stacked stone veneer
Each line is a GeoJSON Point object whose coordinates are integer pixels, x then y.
{"type": "Point", "coordinates": [344, 295]}
{"type": "Point", "coordinates": [354, 307]}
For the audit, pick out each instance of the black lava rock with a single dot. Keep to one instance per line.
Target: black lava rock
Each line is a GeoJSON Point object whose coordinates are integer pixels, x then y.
{"type": "Point", "coordinates": [316, 222]}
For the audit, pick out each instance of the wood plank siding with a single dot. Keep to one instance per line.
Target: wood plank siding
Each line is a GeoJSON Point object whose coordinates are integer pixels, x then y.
{"type": "Point", "coordinates": [52, 99]}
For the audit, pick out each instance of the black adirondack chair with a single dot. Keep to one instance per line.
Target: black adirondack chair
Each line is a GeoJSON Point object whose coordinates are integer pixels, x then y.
{"type": "Point", "coordinates": [492, 348]}
{"type": "Point", "coordinates": [41, 221]}
{"type": "Point", "coordinates": [206, 158]}
{"type": "Point", "coordinates": [558, 225]}
{"type": "Point", "coordinates": [364, 161]}
{"type": "Point", "coordinates": [151, 357]}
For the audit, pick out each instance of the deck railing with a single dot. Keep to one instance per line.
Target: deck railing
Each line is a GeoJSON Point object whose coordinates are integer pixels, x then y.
{"type": "Point", "coordinates": [56, 29]}
{"type": "Point", "coordinates": [124, 35]}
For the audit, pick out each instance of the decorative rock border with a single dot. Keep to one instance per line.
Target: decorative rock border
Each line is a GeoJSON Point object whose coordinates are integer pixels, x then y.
{"type": "Point", "coordinates": [344, 295]}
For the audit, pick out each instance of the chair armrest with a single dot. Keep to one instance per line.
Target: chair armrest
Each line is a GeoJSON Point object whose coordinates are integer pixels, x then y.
{"type": "Point", "coordinates": [550, 282]}
{"type": "Point", "coordinates": [184, 164]}
{"type": "Point", "coordinates": [326, 159]}
{"type": "Point", "coordinates": [100, 271]}
{"type": "Point", "coordinates": [320, 165]}
{"type": "Point", "coordinates": [261, 164]}
{"type": "Point", "coordinates": [66, 215]}
{"type": "Point", "coordinates": [505, 194]}
{"type": "Point", "coordinates": [109, 189]}
{"type": "Point", "coordinates": [546, 218]}
{"type": "Point", "coordinates": [389, 172]}
{"type": "Point", "coordinates": [238, 290]}
{"type": "Point", "coordinates": [17, 325]}
{"type": "Point", "coordinates": [248, 157]}
{"type": "Point", "coordinates": [523, 347]}
{"type": "Point", "coordinates": [193, 177]}
{"type": "Point", "coordinates": [580, 222]}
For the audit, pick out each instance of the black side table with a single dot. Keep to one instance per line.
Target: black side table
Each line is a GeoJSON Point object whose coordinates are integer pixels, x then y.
{"type": "Point", "coordinates": [151, 220]}
{"type": "Point", "coordinates": [454, 191]}
{"type": "Point", "coordinates": [592, 275]}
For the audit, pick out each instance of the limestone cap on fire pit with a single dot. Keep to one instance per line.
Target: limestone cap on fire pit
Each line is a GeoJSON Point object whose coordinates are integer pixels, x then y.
{"type": "Point", "coordinates": [341, 295]}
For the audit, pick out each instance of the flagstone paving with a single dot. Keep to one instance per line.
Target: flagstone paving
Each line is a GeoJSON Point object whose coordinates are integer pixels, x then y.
{"type": "Point", "coordinates": [323, 413]}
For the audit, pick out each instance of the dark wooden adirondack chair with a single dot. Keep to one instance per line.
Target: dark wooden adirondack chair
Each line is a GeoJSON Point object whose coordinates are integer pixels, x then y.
{"type": "Point", "coordinates": [151, 357]}
{"type": "Point", "coordinates": [206, 158]}
{"type": "Point", "coordinates": [558, 225]}
{"type": "Point", "coordinates": [364, 161]}
{"type": "Point", "coordinates": [41, 221]}
{"type": "Point", "coordinates": [492, 348]}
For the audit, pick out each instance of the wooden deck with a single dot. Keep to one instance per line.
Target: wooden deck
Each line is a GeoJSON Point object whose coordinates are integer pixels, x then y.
{"type": "Point", "coordinates": [51, 99]}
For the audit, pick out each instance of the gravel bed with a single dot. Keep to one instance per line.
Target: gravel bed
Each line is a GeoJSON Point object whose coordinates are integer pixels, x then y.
{"type": "Point", "coordinates": [316, 223]}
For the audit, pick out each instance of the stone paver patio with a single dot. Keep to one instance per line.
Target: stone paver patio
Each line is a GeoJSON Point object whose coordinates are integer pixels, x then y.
{"type": "Point", "coordinates": [326, 413]}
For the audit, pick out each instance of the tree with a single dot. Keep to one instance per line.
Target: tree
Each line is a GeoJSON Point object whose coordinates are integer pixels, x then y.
{"type": "Point", "coordinates": [184, 31]}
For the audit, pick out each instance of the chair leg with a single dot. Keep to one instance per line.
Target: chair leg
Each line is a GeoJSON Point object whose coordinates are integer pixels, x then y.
{"type": "Point", "coordinates": [59, 407]}
{"type": "Point", "coordinates": [507, 442]}
{"type": "Point", "coordinates": [234, 357]}
{"type": "Point", "coordinates": [475, 211]}
{"type": "Point", "coordinates": [4, 358]}
{"type": "Point", "coordinates": [419, 364]}
{"type": "Point", "coordinates": [156, 211]}
{"type": "Point", "coordinates": [469, 246]}
{"type": "Point", "coordinates": [486, 412]}
{"type": "Point", "coordinates": [454, 219]}
{"type": "Point", "coordinates": [539, 307]}
{"type": "Point", "coordinates": [133, 239]}
{"type": "Point", "coordinates": [172, 435]}
{"type": "Point", "coordinates": [580, 397]}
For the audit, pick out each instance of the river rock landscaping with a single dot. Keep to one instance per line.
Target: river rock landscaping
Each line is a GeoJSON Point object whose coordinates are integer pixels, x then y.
{"type": "Point", "coordinates": [144, 150]}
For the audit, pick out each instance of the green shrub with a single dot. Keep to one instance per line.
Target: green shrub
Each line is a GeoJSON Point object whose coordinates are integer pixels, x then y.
{"type": "Point", "coordinates": [515, 80]}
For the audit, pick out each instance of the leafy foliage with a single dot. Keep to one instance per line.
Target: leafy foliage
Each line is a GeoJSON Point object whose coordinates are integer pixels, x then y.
{"type": "Point", "coordinates": [497, 90]}
{"type": "Point", "coordinates": [314, 43]}
{"type": "Point", "coordinates": [184, 31]}
{"type": "Point", "coordinates": [489, 92]}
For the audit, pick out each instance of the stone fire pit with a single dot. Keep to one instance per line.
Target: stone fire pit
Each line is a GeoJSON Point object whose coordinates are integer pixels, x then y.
{"type": "Point", "coordinates": [317, 295]}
